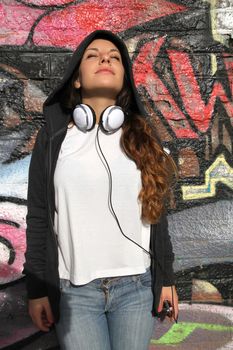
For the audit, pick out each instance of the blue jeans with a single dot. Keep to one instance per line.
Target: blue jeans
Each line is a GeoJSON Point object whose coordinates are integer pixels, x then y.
{"type": "Point", "coordinates": [106, 314]}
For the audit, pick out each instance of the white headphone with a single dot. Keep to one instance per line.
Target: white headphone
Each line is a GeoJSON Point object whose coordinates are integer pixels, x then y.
{"type": "Point", "coordinates": [111, 118]}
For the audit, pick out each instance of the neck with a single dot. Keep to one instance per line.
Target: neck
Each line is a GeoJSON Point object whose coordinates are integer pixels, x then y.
{"type": "Point", "coordinates": [98, 104]}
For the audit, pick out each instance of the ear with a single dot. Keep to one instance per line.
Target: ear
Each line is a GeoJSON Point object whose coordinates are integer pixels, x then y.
{"type": "Point", "coordinates": [77, 84]}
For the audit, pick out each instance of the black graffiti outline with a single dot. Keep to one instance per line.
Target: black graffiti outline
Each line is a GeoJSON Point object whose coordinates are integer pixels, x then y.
{"type": "Point", "coordinates": [201, 272]}
{"type": "Point", "coordinates": [7, 243]}
{"type": "Point", "coordinates": [15, 200]}
{"type": "Point", "coordinates": [49, 9]}
{"type": "Point", "coordinates": [52, 8]}
{"type": "Point", "coordinates": [177, 99]}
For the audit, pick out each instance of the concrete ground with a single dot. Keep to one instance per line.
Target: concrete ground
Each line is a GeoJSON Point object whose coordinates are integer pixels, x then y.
{"type": "Point", "coordinates": [200, 327]}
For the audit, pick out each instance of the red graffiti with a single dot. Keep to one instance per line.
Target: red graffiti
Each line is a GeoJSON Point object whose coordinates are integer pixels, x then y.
{"type": "Point", "coordinates": [68, 26]}
{"type": "Point", "coordinates": [229, 68]}
{"type": "Point", "coordinates": [199, 112]}
{"type": "Point", "coordinates": [16, 21]}
{"type": "Point", "coordinates": [164, 102]}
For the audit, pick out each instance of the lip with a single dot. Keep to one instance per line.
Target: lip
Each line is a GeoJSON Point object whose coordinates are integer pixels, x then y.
{"type": "Point", "coordinates": [104, 70]}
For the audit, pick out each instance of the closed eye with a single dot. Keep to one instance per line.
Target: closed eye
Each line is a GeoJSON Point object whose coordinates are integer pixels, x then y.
{"type": "Point", "coordinates": [95, 55]}
{"type": "Point", "coordinates": [91, 55]}
{"type": "Point", "coordinates": [116, 57]}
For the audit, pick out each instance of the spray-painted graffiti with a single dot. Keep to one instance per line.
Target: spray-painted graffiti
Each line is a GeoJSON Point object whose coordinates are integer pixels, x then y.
{"type": "Point", "coordinates": [200, 327]}
{"type": "Point", "coordinates": [183, 68]}
{"type": "Point", "coordinates": [66, 23]}
{"type": "Point", "coordinates": [218, 172]}
{"type": "Point", "coordinates": [190, 114]}
{"type": "Point", "coordinates": [188, 105]}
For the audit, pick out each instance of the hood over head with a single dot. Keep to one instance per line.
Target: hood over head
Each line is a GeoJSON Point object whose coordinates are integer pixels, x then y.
{"type": "Point", "coordinates": [52, 107]}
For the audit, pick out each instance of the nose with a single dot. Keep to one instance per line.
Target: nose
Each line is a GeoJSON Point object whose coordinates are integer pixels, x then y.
{"type": "Point", "coordinates": [105, 58]}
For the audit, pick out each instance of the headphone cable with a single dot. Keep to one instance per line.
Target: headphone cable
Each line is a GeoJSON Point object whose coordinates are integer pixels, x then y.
{"type": "Point", "coordinates": [110, 193]}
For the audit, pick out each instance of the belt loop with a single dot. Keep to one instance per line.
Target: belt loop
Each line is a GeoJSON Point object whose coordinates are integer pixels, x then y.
{"type": "Point", "coordinates": [135, 278]}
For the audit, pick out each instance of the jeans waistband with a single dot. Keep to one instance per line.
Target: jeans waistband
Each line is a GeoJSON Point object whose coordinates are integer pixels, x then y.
{"type": "Point", "coordinates": [106, 281]}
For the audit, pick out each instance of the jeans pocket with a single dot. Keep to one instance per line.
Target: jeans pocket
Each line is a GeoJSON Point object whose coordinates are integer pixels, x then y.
{"type": "Point", "coordinates": [145, 279]}
{"type": "Point", "coordinates": [64, 284]}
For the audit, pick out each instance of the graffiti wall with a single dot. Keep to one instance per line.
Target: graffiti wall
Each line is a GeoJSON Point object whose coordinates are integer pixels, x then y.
{"type": "Point", "coordinates": [182, 55]}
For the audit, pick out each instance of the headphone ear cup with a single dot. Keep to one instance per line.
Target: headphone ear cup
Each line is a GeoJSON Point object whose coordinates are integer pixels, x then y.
{"type": "Point", "coordinates": [111, 119]}
{"type": "Point", "coordinates": [84, 117]}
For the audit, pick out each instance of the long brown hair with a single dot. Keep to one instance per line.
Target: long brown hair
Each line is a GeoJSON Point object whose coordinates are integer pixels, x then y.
{"type": "Point", "coordinates": [139, 143]}
{"type": "Point", "coordinates": [158, 170]}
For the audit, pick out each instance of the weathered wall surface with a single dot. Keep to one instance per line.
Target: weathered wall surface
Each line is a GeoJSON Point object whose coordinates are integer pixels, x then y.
{"type": "Point", "coordinates": [183, 65]}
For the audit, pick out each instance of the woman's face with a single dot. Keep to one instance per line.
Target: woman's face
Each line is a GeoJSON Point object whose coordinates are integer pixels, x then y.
{"type": "Point", "coordinates": [101, 72]}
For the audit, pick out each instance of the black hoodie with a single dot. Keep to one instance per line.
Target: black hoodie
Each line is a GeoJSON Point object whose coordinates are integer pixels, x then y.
{"type": "Point", "coordinates": [41, 265]}
{"type": "Point", "coordinates": [52, 108]}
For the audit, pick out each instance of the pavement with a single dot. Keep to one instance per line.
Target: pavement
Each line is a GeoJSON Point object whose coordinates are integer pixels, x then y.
{"type": "Point", "coordinates": [200, 327]}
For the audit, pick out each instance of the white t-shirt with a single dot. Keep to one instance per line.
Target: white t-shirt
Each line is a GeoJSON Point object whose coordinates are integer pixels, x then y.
{"type": "Point", "coordinates": [90, 242]}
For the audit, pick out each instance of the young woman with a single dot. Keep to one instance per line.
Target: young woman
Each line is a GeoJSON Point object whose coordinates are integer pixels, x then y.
{"type": "Point", "coordinates": [99, 257]}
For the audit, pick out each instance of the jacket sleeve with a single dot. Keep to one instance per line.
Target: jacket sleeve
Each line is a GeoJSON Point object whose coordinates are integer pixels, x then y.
{"type": "Point", "coordinates": [37, 222]}
{"type": "Point", "coordinates": [168, 272]}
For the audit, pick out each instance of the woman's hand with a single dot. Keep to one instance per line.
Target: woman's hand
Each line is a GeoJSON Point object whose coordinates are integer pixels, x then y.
{"type": "Point", "coordinates": [41, 313]}
{"type": "Point", "coordinates": [170, 294]}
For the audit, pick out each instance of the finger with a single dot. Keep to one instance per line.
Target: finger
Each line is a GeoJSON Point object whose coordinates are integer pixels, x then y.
{"type": "Point", "coordinates": [160, 307]}
{"type": "Point", "coordinates": [176, 312]}
{"type": "Point", "coordinates": [174, 304]}
{"type": "Point", "coordinates": [172, 316]}
{"type": "Point", "coordinates": [48, 313]}
{"type": "Point", "coordinates": [37, 319]}
{"type": "Point", "coordinates": [45, 321]}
